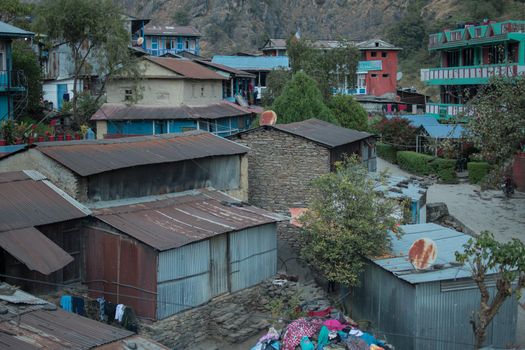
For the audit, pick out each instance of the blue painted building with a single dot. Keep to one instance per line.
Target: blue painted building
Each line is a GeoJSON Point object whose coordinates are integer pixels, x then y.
{"type": "Point", "coordinates": [11, 82]}
{"type": "Point", "coordinates": [158, 40]}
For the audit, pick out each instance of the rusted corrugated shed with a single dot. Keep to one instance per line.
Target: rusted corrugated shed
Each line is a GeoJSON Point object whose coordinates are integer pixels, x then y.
{"type": "Point", "coordinates": [25, 202]}
{"type": "Point", "coordinates": [186, 68]}
{"type": "Point", "coordinates": [323, 132]}
{"type": "Point", "coordinates": [173, 222]}
{"type": "Point", "coordinates": [121, 111]}
{"type": "Point", "coordinates": [94, 157]}
{"type": "Point", "coordinates": [35, 250]}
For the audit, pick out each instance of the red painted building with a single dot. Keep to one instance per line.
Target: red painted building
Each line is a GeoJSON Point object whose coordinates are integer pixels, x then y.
{"type": "Point", "coordinates": [377, 70]}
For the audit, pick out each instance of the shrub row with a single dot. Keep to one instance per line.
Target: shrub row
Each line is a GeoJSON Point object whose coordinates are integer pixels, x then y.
{"type": "Point", "coordinates": [423, 164]}
{"type": "Point", "coordinates": [387, 152]}
{"type": "Point", "coordinates": [477, 171]}
{"type": "Point", "coordinates": [415, 163]}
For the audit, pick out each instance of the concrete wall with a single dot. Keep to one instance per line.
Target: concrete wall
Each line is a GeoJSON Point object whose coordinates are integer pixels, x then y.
{"type": "Point", "coordinates": [281, 167]}
{"type": "Point", "coordinates": [199, 92]}
{"type": "Point", "coordinates": [64, 178]}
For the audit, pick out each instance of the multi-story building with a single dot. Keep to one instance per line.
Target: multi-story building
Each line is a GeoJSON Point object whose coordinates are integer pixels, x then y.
{"type": "Point", "coordinates": [158, 40]}
{"type": "Point", "coordinates": [469, 57]}
{"type": "Point", "coordinates": [12, 83]}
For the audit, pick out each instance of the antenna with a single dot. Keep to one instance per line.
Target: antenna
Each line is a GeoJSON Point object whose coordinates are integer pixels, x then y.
{"type": "Point", "coordinates": [140, 41]}
{"type": "Point", "coordinates": [422, 253]}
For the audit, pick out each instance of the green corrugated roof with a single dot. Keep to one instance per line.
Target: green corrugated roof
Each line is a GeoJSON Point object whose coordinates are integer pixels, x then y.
{"type": "Point", "coordinates": [9, 31]}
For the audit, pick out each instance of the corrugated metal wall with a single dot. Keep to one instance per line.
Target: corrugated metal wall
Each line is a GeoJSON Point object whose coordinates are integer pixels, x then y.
{"type": "Point", "coordinates": [253, 256]}
{"type": "Point", "coordinates": [183, 278]}
{"type": "Point", "coordinates": [388, 303]}
{"type": "Point", "coordinates": [443, 317]}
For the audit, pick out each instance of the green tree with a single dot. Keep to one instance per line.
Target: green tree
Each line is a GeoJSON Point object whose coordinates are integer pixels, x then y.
{"type": "Point", "coordinates": [25, 60]}
{"type": "Point", "coordinates": [496, 122]}
{"type": "Point", "coordinates": [348, 112]}
{"type": "Point", "coordinates": [485, 255]}
{"type": "Point", "coordinates": [347, 221]}
{"type": "Point", "coordinates": [330, 68]}
{"type": "Point", "coordinates": [397, 132]}
{"type": "Point", "coordinates": [275, 83]}
{"type": "Point", "coordinates": [96, 33]}
{"type": "Point", "coordinates": [182, 17]}
{"type": "Point", "coordinates": [12, 10]}
{"type": "Point", "coordinates": [301, 100]}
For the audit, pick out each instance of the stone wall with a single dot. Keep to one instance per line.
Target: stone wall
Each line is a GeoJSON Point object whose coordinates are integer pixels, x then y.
{"type": "Point", "coordinates": [233, 318]}
{"type": "Point", "coordinates": [281, 167]}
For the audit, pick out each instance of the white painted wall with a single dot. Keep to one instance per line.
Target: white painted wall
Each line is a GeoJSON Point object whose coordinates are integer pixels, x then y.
{"type": "Point", "coordinates": [49, 89]}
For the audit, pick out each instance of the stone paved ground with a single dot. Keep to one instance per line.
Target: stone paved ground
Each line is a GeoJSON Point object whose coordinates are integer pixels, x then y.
{"type": "Point", "coordinates": [487, 210]}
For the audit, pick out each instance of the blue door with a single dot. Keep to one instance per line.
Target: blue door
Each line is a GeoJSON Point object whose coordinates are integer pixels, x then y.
{"type": "Point", "coordinates": [61, 91]}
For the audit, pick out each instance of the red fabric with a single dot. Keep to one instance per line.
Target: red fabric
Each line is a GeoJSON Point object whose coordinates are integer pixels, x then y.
{"type": "Point", "coordinates": [321, 313]}
{"type": "Point", "coordinates": [334, 325]}
{"type": "Point", "coordinates": [298, 329]}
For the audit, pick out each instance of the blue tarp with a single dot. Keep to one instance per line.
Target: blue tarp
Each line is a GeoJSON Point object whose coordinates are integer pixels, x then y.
{"type": "Point", "coordinates": [253, 63]}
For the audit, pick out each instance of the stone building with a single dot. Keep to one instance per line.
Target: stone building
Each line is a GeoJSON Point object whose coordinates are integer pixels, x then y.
{"type": "Point", "coordinates": [285, 158]}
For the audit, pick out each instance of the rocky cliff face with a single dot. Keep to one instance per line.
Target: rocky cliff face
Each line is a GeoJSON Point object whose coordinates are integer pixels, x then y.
{"type": "Point", "coordinates": [233, 25]}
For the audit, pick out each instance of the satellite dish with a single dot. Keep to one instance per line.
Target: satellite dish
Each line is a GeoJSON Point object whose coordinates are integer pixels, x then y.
{"type": "Point", "coordinates": [140, 41]}
{"type": "Point", "coordinates": [268, 118]}
{"type": "Point", "coordinates": [399, 76]}
{"type": "Point", "coordinates": [422, 253]}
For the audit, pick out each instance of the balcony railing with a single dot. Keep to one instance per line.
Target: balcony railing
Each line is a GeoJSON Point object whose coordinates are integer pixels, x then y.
{"type": "Point", "coordinates": [470, 74]}
{"type": "Point", "coordinates": [14, 79]}
{"type": "Point", "coordinates": [444, 110]}
{"type": "Point", "coordinates": [356, 91]}
{"type": "Point", "coordinates": [160, 52]}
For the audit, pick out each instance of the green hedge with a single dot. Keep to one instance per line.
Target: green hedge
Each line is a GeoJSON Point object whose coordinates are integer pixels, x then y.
{"type": "Point", "coordinates": [387, 152]}
{"type": "Point", "coordinates": [477, 171]}
{"type": "Point", "coordinates": [415, 163]}
{"type": "Point", "coordinates": [445, 169]}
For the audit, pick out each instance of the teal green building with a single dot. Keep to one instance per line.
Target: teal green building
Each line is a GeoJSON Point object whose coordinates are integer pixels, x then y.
{"type": "Point", "coordinates": [469, 57]}
{"type": "Point", "coordinates": [12, 83]}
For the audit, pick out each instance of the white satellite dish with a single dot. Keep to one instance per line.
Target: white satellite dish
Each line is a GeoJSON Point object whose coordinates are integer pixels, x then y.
{"type": "Point", "coordinates": [399, 76]}
{"type": "Point", "coordinates": [140, 41]}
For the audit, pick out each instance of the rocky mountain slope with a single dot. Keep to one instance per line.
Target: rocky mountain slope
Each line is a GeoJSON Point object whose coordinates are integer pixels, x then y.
{"type": "Point", "coordinates": [234, 25]}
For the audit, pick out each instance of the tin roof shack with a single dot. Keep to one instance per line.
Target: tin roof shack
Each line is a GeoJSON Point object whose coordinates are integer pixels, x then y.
{"type": "Point", "coordinates": [30, 323]}
{"type": "Point", "coordinates": [165, 254]}
{"type": "Point", "coordinates": [285, 158]}
{"type": "Point", "coordinates": [427, 309]}
{"type": "Point", "coordinates": [39, 232]}
{"type": "Point", "coordinates": [100, 170]}
{"type": "Point", "coordinates": [410, 189]}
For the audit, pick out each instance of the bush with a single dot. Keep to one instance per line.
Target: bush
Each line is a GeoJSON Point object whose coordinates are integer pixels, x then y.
{"type": "Point", "coordinates": [477, 171]}
{"type": "Point", "coordinates": [387, 152]}
{"type": "Point", "coordinates": [416, 163]}
{"type": "Point", "coordinates": [445, 169]}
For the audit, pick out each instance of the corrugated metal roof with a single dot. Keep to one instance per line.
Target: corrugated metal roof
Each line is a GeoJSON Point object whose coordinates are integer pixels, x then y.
{"type": "Point", "coordinates": [35, 250]}
{"type": "Point", "coordinates": [9, 31]}
{"type": "Point", "coordinates": [448, 241]}
{"type": "Point", "coordinates": [376, 44]}
{"type": "Point", "coordinates": [135, 342]}
{"type": "Point", "coordinates": [25, 202]}
{"type": "Point", "coordinates": [186, 68]}
{"type": "Point", "coordinates": [323, 132]}
{"type": "Point", "coordinates": [416, 120]}
{"type": "Point", "coordinates": [444, 131]}
{"type": "Point", "coordinates": [253, 62]}
{"type": "Point", "coordinates": [121, 111]}
{"type": "Point", "coordinates": [97, 156]}
{"type": "Point", "coordinates": [177, 220]}
{"type": "Point", "coordinates": [235, 72]}
{"type": "Point", "coordinates": [167, 30]}
{"type": "Point", "coordinates": [272, 44]}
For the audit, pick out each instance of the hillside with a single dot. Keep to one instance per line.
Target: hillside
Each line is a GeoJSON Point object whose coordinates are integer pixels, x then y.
{"type": "Point", "coordinates": [229, 26]}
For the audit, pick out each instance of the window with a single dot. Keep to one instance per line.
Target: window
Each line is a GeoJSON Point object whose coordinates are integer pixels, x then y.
{"type": "Point", "coordinates": [202, 91]}
{"type": "Point", "coordinates": [386, 75]}
{"type": "Point", "coordinates": [383, 54]}
{"type": "Point", "coordinates": [468, 57]}
{"type": "Point", "coordinates": [168, 45]}
{"type": "Point", "coordinates": [1, 61]}
{"type": "Point", "coordinates": [477, 32]}
{"type": "Point", "coordinates": [374, 75]}
{"type": "Point", "coordinates": [187, 44]}
{"type": "Point", "coordinates": [373, 54]}
{"type": "Point", "coordinates": [128, 95]}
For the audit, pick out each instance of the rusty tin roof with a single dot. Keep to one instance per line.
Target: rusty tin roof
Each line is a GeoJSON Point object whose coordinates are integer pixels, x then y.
{"type": "Point", "coordinates": [186, 68]}
{"type": "Point", "coordinates": [121, 111]}
{"type": "Point", "coordinates": [323, 132]}
{"type": "Point", "coordinates": [167, 30]}
{"type": "Point", "coordinates": [172, 221]}
{"type": "Point", "coordinates": [235, 72]}
{"type": "Point", "coordinates": [97, 156]}
{"type": "Point", "coordinates": [27, 199]}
